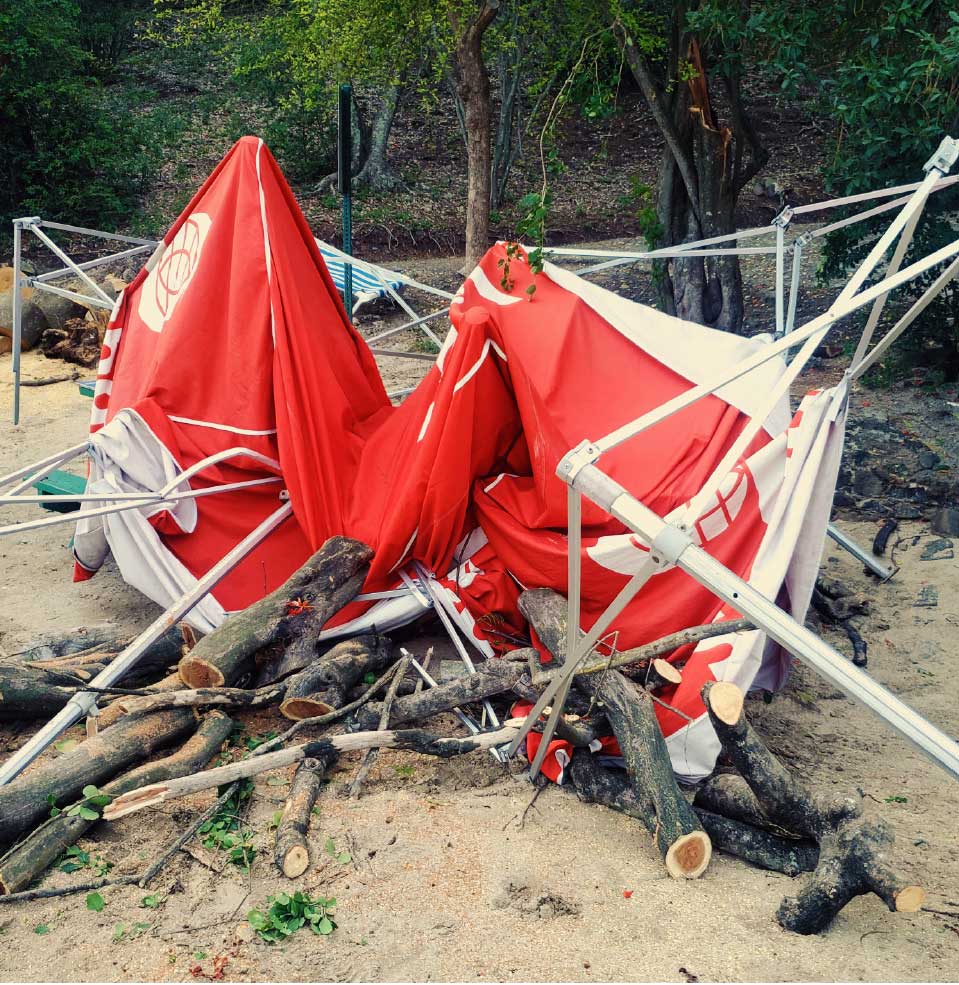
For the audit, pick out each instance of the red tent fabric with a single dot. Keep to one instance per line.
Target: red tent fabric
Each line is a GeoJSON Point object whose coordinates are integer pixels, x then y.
{"type": "Point", "coordinates": [233, 337]}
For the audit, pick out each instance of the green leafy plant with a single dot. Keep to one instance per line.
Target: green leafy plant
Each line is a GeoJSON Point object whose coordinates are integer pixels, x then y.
{"type": "Point", "coordinates": [75, 858]}
{"type": "Point", "coordinates": [152, 902]}
{"type": "Point", "coordinates": [287, 913]}
{"type": "Point", "coordinates": [41, 929]}
{"type": "Point", "coordinates": [897, 800]}
{"type": "Point", "coordinates": [224, 832]}
{"type": "Point", "coordinates": [95, 902]}
{"type": "Point", "coordinates": [331, 850]}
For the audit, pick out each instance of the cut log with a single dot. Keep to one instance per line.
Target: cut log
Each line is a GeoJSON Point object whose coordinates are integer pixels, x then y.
{"type": "Point", "coordinates": [661, 673]}
{"type": "Point", "coordinates": [492, 678]}
{"type": "Point", "coordinates": [596, 784]}
{"type": "Point", "coordinates": [412, 740]}
{"type": "Point", "coordinates": [325, 685]}
{"type": "Point", "coordinates": [23, 802]}
{"type": "Point", "coordinates": [27, 693]}
{"type": "Point", "coordinates": [852, 849]}
{"type": "Point", "coordinates": [292, 854]}
{"type": "Point", "coordinates": [32, 856]}
{"type": "Point", "coordinates": [684, 845]}
{"type": "Point", "coordinates": [297, 610]}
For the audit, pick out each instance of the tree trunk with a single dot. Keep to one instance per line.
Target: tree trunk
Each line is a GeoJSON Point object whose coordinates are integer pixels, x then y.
{"type": "Point", "coordinates": [23, 802]}
{"type": "Point", "coordinates": [24, 863]}
{"type": "Point", "coordinates": [472, 85]}
{"type": "Point", "coordinates": [292, 615]}
{"type": "Point", "coordinates": [705, 166]}
{"type": "Point", "coordinates": [376, 173]}
{"type": "Point", "coordinates": [505, 147]}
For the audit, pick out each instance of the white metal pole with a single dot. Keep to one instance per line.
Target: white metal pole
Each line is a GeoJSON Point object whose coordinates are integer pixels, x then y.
{"type": "Point", "coordinates": [780, 279]}
{"type": "Point", "coordinates": [848, 544]}
{"type": "Point", "coordinates": [82, 274]}
{"type": "Point", "coordinates": [794, 284]}
{"type": "Point", "coordinates": [82, 703]}
{"type": "Point", "coordinates": [675, 546]}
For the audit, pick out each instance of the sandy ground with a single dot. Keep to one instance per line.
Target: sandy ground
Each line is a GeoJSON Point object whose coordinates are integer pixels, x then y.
{"type": "Point", "coordinates": [447, 878]}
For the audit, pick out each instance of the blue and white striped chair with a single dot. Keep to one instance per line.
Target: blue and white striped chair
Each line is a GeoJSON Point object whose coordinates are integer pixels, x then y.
{"type": "Point", "coordinates": [367, 286]}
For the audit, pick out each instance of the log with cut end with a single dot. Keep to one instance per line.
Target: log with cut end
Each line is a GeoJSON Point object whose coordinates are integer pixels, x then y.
{"type": "Point", "coordinates": [29, 858]}
{"type": "Point", "coordinates": [292, 615]}
{"type": "Point", "coordinates": [23, 802]}
{"type": "Point", "coordinates": [325, 685]}
{"type": "Point", "coordinates": [677, 832]}
{"type": "Point", "coordinates": [596, 784]}
{"type": "Point", "coordinates": [292, 854]}
{"type": "Point", "coordinates": [412, 740]}
{"type": "Point", "coordinates": [853, 850]}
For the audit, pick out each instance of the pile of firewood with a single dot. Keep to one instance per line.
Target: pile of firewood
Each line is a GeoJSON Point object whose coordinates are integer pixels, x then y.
{"type": "Point", "coordinates": [360, 694]}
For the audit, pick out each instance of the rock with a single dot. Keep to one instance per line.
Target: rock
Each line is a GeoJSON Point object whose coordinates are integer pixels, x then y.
{"type": "Point", "coordinates": [32, 323]}
{"type": "Point", "coordinates": [868, 484]}
{"type": "Point", "coordinates": [906, 511]}
{"type": "Point", "coordinates": [57, 310]}
{"type": "Point", "coordinates": [946, 521]}
{"type": "Point", "coordinates": [928, 459]}
{"type": "Point", "coordinates": [928, 598]}
{"type": "Point", "coordinates": [940, 549]}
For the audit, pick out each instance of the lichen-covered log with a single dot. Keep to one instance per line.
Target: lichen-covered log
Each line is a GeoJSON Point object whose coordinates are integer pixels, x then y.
{"type": "Point", "coordinates": [31, 857]}
{"type": "Point", "coordinates": [596, 784]}
{"type": "Point", "coordinates": [23, 802]}
{"type": "Point", "coordinates": [853, 850]}
{"type": "Point", "coordinates": [684, 845]}
{"type": "Point", "coordinates": [292, 854]}
{"type": "Point", "coordinates": [492, 678]}
{"type": "Point", "coordinates": [297, 610]}
{"type": "Point", "coordinates": [324, 686]}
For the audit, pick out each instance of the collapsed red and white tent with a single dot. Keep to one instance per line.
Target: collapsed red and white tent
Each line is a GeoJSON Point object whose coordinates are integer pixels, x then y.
{"type": "Point", "coordinates": [232, 351]}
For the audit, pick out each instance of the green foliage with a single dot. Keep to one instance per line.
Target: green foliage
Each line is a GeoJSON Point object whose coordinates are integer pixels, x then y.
{"type": "Point", "coordinates": [225, 832]}
{"type": "Point", "coordinates": [75, 858]}
{"type": "Point", "coordinates": [95, 902]}
{"type": "Point", "coordinates": [333, 852]}
{"type": "Point", "coordinates": [63, 154]}
{"type": "Point", "coordinates": [287, 913]}
{"type": "Point", "coordinates": [894, 97]}
{"type": "Point", "coordinates": [41, 929]}
{"type": "Point", "coordinates": [88, 808]}
{"type": "Point", "coordinates": [152, 902]}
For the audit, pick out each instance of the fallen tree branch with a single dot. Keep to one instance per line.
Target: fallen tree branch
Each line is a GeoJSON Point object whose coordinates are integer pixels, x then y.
{"type": "Point", "coordinates": [370, 755]}
{"type": "Point", "coordinates": [682, 842]}
{"type": "Point", "coordinates": [852, 849]}
{"type": "Point", "coordinates": [292, 855]}
{"type": "Point", "coordinates": [597, 784]}
{"type": "Point", "coordinates": [23, 802]}
{"type": "Point", "coordinates": [322, 686]}
{"type": "Point", "coordinates": [292, 615]}
{"type": "Point", "coordinates": [32, 856]}
{"type": "Point", "coordinates": [414, 740]}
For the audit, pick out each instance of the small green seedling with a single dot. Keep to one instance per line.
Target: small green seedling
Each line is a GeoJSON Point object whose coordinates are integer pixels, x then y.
{"type": "Point", "coordinates": [286, 914]}
{"type": "Point", "coordinates": [95, 902]}
{"type": "Point", "coordinates": [405, 771]}
{"type": "Point", "coordinates": [41, 929]}
{"type": "Point", "coordinates": [341, 857]}
{"type": "Point", "coordinates": [152, 902]}
{"type": "Point", "coordinates": [88, 808]}
{"type": "Point", "coordinates": [897, 800]}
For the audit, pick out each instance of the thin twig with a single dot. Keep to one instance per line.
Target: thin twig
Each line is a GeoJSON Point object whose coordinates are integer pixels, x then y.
{"type": "Point", "coordinates": [370, 755]}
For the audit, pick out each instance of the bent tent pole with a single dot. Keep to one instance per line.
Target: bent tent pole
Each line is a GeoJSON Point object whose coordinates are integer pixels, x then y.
{"type": "Point", "coordinates": [870, 561]}
{"type": "Point", "coordinates": [669, 545]}
{"type": "Point", "coordinates": [17, 312]}
{"type": "Point", "coordinates": [39, 470]}
{"type": "Point", "coordinates": [83, 703]}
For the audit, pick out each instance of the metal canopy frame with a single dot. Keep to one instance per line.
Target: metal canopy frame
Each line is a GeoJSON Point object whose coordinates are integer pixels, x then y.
{"type": "Point", "coordinates": [98, 298]}
{"type": "Point", "coordinates": [670, 542]}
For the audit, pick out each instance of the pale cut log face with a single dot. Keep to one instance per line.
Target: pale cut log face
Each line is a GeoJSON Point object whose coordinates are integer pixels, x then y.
{"type": "Point", "coordinates": [198, 673]}
{"type": "Point", "coordinates": [299, 708]}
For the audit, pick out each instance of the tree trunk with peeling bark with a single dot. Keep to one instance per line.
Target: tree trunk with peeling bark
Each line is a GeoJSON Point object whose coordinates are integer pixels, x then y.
{"type": "Point", "coordinates": [706, 164]}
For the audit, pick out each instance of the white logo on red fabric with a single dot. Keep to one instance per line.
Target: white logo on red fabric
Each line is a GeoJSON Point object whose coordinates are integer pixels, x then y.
{"type": "Point", "coordinates": [624, 553]}
{"type": "Point", "coordinates": [169, 279]}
